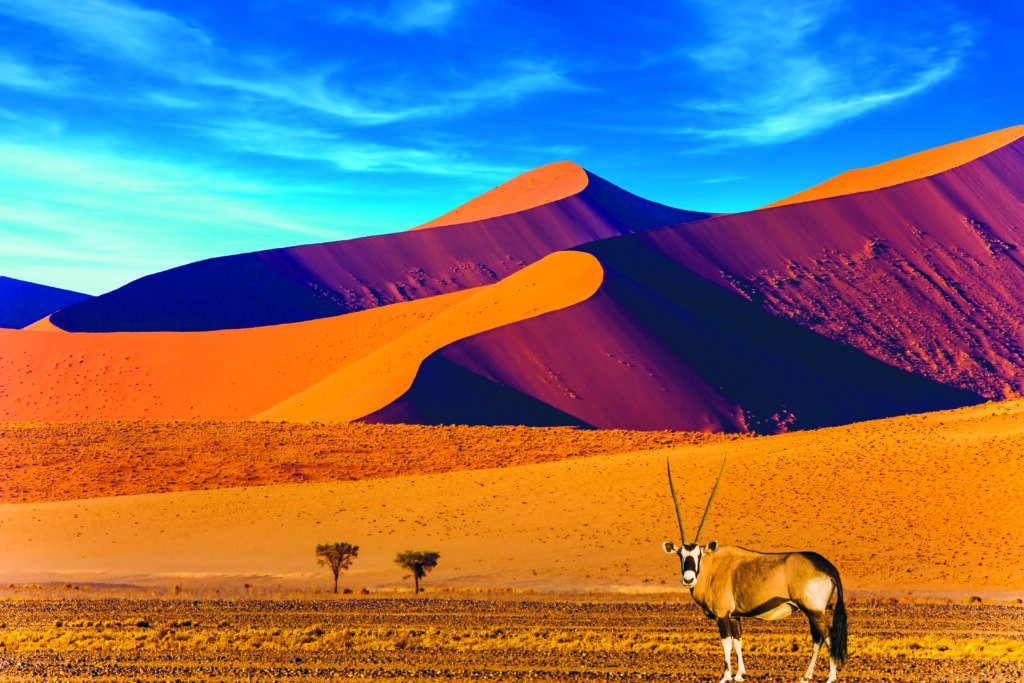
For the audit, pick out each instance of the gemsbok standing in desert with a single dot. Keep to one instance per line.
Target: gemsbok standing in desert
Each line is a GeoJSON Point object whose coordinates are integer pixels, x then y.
{"type": "Point", "coordinates": [732, 583]}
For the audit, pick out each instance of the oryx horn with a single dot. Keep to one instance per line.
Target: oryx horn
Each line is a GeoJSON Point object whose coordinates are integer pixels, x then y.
{"type": "Point", "coordinates": [675, 501]}
{"type": "Point", "coordinates": [710, 500]}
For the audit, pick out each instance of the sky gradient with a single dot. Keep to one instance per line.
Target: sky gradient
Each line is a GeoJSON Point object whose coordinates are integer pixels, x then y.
{"type": "Point", "coordinates": [137, 135]}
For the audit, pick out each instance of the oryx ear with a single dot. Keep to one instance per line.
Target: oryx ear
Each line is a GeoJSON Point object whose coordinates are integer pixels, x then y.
{"type": "Point", "coordinates": [669, 548]}
{"type": "Point", "coordinates": [711, 547]}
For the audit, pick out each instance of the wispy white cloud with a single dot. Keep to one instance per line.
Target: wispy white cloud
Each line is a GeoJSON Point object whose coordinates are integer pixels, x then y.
{"type": "Point", "coordinates": [348, 155]}
{"type": "Point", "coordinates": [401, 16]}
{"type": "Point", "coordinates": [23, 75]}
{"type": "Point", "coordinates": [172, 48]}
{"type": "Point", "coordinates": [109, 27]}
{"type": "Point", "coordinates": [779, 71]}
{"type": "Point", "coordinates": [131, 217]}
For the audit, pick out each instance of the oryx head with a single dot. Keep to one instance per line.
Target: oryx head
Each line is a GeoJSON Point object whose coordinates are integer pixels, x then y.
{"type": "Point", "coordinates": [690, 554]}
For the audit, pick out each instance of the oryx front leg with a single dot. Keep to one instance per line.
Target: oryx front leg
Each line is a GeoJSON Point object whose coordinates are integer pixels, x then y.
{"type": "Point", "coordinates": [727, 628]}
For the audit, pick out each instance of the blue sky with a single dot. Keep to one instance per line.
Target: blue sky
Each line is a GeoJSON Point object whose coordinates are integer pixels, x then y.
{"type": "Point", "coordinates": [136, 135]}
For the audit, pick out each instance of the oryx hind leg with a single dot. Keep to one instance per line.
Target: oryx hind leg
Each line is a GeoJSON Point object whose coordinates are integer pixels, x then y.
{"type": "Point", "coordinates": [819, 634]}
{"type": "Point", "coordinates": [816, 599]}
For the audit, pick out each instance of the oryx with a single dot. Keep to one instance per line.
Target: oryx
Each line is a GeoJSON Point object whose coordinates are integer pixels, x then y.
{"type": "Point", "coordinates": [732, 583]}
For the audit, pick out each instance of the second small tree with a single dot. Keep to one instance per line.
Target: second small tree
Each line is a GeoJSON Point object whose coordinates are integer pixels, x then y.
{"type": "Point", "coordinates": [419, 562]}
{"type": "Point", "coordinates": [338, 555]}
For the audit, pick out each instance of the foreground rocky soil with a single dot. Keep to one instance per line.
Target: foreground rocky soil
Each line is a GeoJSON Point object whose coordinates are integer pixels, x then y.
{"type": "Point", "coordinates": [554, 638]}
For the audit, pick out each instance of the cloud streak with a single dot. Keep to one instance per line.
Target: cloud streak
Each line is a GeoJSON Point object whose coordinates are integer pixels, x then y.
{"type": "Point", "coordinates": [400, 16]}
{"type": "Point", "coordinates": [782, 71]}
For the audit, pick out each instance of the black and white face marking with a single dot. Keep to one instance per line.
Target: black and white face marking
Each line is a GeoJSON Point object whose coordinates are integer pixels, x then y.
{"type": "Point", "coordinates": [689, 556]}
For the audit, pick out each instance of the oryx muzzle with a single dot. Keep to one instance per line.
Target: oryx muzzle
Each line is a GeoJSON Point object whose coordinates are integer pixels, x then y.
{"type": "Point", "coordinates": [732, 583]}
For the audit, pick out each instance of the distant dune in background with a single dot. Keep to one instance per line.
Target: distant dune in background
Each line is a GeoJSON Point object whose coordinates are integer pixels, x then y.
{"type": "Point", "coordinates": [560, 299]}
{"type": "Point", "coordinates": [23, 303]}
{"type": "Point", "coordinates": [314, 281]}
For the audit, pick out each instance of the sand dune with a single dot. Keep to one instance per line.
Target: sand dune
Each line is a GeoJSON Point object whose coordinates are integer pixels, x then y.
{"type": "Point", "coordinates": [346, 365]}
{"type": "Point", "coordinates": [22, 303]}
{"type": "Point", "coordinates": [913, 504]}
{"type": "Point", "coordinates": [540, 186]}
{"type": "Point", "coordinates": [897, 300]}
{"type": "Point", "coordinates": [358, 389]}
{"type": "Point", "coordinates": [905, 169]}
{"type": "Point", "coordinates": [314, 281]}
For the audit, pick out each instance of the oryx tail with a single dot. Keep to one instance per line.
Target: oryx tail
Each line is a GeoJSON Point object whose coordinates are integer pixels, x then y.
{"type": "Point", "coordinates": [837, 631]}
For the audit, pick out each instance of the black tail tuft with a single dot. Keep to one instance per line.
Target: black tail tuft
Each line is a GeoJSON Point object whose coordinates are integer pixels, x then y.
{"type": "Point", "coordinates": [837, 632]}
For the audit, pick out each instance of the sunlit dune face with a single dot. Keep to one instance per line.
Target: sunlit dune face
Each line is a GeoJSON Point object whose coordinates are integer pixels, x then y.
{"type": "Point", "coordinates": [534, 188]}
{"type": "Point", "coordinates": [339, 368]}
{"type": "Point", "coordinates": [905, 169]}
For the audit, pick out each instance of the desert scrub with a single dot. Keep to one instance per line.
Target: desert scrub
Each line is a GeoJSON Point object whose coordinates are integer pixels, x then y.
{"type": "Point", "coordinates": [391, 639]}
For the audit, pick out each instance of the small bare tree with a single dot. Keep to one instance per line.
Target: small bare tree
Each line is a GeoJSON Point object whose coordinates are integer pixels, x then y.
{"type": "Point", "coordinates": [419, 562]}
{"type": "Point", "coordinates": [338, 556]}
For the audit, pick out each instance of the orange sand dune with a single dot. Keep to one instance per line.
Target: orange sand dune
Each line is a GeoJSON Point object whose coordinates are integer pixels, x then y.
{"type": "Point", "coordinates": [360, 388]}
{"type": "Point", "coordinates": [912, 167]}
{"type": "Point", "coordinates": [345, 366]}
{"type": "Point", "coordinates": [225, 374]}
{"type": "Point", "coordinates": [540, 186]}
{"type": "Point", "coordinates": [51, 461]}
{"type": "Point", "coordinates": [919, 504]}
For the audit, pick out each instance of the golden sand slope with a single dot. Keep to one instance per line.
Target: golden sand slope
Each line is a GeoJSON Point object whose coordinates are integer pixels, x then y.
{"type": "Point", "coordinates": [53, 461]}
{"type": "Point", "coordinates": [905, 169]}
{"type": "Point", "coordinates": [534, 188]}
{"type": "Point", "coordinates": [342, 367]}
{"type": "Point", "coordinates": [918, 503]}
{"type": "Point", "coordinates": [357, 389]}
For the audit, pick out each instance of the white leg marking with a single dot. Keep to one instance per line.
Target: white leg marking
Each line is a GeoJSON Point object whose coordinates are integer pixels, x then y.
{"type": "Point", "coordinates": [831, 668]}
{"type": "Point", "coordinates": [814, 658]}
{"type": "Point", "coordinates": [740, 669]}
{"type": "Point", "coordinates": [727, 647]}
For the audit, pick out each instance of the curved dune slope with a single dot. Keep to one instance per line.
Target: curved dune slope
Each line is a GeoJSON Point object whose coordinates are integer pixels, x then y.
{"type": "Point", "coordinates": [23, 303]}
{"type": "Point", "coordinates": [926, 276]}
{"type": "Point", "coordinates": [900, 300]}
{"type": "Point", "coordinates": [323, 280]}
{"type": "Point", "coordinates": [905, 169]}
{"type": "Point", "coordinates": [899, 505]}
{"type": "Point", "coordinates": [540, 186]}
{"type": "Point", "coordinates": [556, 281]}
{"type": "Point", "coordinates": [660, 348]}
{"type": "Point", "coordinates": [226, 374]}
{"type": "Point", "coordinates": [337, 368]}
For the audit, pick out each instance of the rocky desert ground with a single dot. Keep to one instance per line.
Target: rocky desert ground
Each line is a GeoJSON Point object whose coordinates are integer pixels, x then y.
{"type": "Point", "coordinates": [471, 637]}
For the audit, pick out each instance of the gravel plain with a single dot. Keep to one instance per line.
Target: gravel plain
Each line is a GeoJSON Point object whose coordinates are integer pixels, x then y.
{"type": "Point", "coordinates": [470, 638]}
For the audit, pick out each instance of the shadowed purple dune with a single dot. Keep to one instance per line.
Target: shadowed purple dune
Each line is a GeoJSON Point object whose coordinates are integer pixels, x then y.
{"type": "Point", "coordinates": [23, 303]}
{"type": "Point", "coordinates": [899, 300]}
{"type": "Point", "coordinates": [320, 280]}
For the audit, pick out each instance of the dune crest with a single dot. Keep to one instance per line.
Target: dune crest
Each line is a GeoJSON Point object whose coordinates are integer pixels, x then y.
{"type": "Point", "coordinates": [557, 281]}
{"type": "Point", "coordinates": [534, 188]}
{"type": "Point", "coordinates": [905, 169]}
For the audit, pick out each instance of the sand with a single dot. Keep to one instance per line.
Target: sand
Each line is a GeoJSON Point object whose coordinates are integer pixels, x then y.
{"type": "Point", "coordinates": [539, 186]}
{"type": "Point", "coordinates": [905, 169]}
{"type": "Point", "coordinates": [357, 389]}
{"type": "Point", "coordinates": [919, 505]}
{"type": "Point", "coordinates": [342, 367]}
{"type": "Point", "coordinates": [52, 461]}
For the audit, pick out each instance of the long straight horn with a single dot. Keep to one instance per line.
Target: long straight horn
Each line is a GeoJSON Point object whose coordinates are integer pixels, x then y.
{"type": "Point", "coordinates": [710, 500]}
{"type": "Point", "coordinates": [675, 501]}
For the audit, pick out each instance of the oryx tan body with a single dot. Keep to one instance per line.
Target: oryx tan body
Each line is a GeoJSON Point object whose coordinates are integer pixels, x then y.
{"type": "Point", "coordinates": [738, 583]}
{"type": "Point", "coordinates": [731, 583]}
